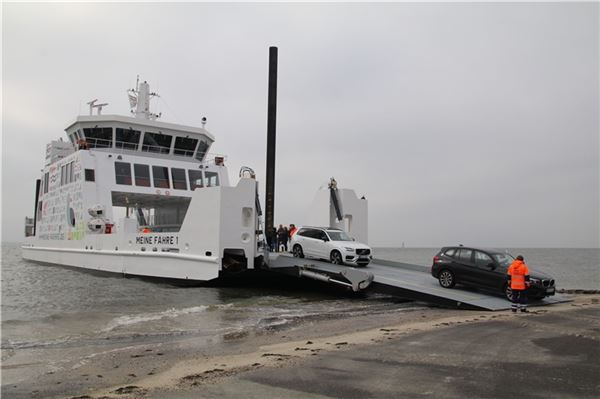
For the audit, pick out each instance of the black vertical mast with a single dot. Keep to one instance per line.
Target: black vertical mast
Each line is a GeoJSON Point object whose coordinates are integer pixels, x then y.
{"type": "Point", "coordinates": [38, 183]}
{"type": "Point", "coordinates": [271, 119]}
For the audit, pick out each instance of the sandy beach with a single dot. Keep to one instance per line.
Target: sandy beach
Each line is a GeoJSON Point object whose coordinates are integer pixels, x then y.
{"type": "Point", "coordinates": [319, 359]}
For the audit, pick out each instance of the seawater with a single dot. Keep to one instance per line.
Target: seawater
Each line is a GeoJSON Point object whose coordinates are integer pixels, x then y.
{"type": "Point", "coordinates": [48, 307]}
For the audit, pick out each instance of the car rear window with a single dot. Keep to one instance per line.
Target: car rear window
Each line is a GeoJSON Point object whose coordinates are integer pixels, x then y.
{"type": "Point", "coordinates": [302, 232]}
{"type": "Point", "coordinates": [310, 233]}
{"type": "Point", "coordinates": [450, 252]}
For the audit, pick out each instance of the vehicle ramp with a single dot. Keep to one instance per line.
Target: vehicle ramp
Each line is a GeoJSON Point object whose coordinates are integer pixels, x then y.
{"type": "Point", "coordinates": [404, 280]}
{"type": "Point", "coordinates": [352, 278]}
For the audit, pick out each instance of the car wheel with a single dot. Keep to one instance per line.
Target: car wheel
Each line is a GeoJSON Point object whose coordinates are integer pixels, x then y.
{"type": "Point", "coordinates": [298, 251]}
{"type": "Point", "coordinates": [446, 279]}
{"type": "Point", "coordinates": [336, 258]}
{"type": "Point", "coordinates": [508, 293]}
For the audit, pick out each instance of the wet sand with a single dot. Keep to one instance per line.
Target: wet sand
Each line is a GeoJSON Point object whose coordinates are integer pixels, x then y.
{"type": "Point", "coordinates": [418, 353]}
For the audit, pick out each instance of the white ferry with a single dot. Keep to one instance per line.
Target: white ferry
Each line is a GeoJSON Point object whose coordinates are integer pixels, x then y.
{"type": "Point", "coordinates": [137, 196]}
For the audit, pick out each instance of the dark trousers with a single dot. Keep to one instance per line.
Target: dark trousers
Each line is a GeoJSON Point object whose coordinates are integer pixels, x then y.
{"type": "Point", "coordinates": [271, 243]}
{"type": "Point", "coordinates": [282, 241]}
{"type": "Point", "coordinates": [519, 300]}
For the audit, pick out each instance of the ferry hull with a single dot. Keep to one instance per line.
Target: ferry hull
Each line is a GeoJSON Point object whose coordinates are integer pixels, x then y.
{"type": "Point", "coordinates": [163, 265]}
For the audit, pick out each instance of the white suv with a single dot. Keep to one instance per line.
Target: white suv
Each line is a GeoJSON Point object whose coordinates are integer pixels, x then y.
{"type": "Point", "coordinates": [328, 243]}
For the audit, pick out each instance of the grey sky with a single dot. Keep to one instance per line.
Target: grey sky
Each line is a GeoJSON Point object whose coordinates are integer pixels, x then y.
{"type": "Point", "coordinates": [461, 123]}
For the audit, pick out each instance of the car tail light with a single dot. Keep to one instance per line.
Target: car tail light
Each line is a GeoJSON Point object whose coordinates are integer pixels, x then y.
{"type": "Point", "coordinates": [436, 259]}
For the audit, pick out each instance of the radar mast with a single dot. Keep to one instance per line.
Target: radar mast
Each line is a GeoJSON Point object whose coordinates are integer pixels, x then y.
{"type": "Point", "coordinates": [139, 100]}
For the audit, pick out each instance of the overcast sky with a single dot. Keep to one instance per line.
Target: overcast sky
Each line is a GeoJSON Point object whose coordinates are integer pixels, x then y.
{"type": "Point", "coordinates": [460, 123]}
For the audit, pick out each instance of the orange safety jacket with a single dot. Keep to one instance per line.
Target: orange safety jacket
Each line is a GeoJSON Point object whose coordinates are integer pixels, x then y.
{"type": "Point", "coordinates": [518, 275]}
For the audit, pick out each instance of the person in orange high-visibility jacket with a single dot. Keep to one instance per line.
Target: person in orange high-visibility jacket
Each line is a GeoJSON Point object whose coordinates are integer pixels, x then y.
{"type": "Point", "coordinates": [518, 281]}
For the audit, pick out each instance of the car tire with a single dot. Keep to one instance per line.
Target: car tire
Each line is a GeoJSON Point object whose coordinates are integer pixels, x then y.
{"type": "Point", "coordinates": [508, 292]}
{"type": "Point", "coordinates": [446, 279]}
{"type": "Point", "coordinates": [297, 251]}
{"type": "Point", "coordinates": [336, 258]}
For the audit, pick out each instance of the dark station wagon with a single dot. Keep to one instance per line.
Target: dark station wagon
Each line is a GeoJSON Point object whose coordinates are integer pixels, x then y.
{"type": "Point", "coordinates": [484, 269]}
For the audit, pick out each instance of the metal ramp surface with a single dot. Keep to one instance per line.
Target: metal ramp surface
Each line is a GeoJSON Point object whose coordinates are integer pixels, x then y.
{"type": "Point", "coordinates": [410, 282]}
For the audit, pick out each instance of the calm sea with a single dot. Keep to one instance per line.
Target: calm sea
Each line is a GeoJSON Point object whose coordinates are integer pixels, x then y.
{"type": "Point", "coordinates": [46, 308]}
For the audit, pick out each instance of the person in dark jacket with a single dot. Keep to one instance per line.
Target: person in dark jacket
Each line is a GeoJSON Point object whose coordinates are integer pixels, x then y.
{"type": "Point", "coordinates": [272, 238]}
{"type": "Point", "coordinates": [282, 238]}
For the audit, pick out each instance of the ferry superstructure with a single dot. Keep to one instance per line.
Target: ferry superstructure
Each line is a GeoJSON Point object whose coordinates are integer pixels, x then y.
{"type": "Point", "coordinates": [137, 196]}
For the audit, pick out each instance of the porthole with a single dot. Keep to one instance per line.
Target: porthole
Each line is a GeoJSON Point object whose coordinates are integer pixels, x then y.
{"type": "Point", "coordinates": [245, 237]}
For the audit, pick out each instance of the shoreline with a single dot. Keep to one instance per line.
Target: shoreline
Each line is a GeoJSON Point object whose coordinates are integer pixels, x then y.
{"type": "Point", "coordinates": [180, 368]}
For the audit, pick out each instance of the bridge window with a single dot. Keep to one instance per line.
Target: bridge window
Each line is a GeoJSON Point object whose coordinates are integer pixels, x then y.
{"type": "Point", "coordinates": [142, 175]}
{"type": "Point", "coordinates": [128, 139]}
{"type": "Point", "coordinates": [123, 173]}
{"type": "Point", "coordinates": [157, 142]}
{"type": "Point", "coordinates": [202, 148]}
{"type": "Point", "coordinates": [185, 146]}
{"type": "Point", "coordinates": [98, 137]}
{"type": "Point", "coordinates": [212, 179]}
{"type": "Point", "coordinates": [196, 179]}
{"type": "Point", "coordinates": [161, 176]}
{"type": "Point", "coordinates": [179, 181]}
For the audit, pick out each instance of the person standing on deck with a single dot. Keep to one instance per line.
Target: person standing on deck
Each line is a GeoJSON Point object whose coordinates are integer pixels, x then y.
{"type": "Point", "coordinates": [286, 237]}
{"type": "Point", "coordinates": [292, 231]}
{"type": "Point", "coordinates": [282, 236]}
{"type": "Point", "coordinates": [518, 280]}
{"type": "Point", "coordinates": [271, 238]}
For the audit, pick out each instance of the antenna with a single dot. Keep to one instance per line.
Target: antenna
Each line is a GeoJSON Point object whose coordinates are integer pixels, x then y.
{"type": "Point", "coordinates": [91, 104]}
{"type": "Point", "coordinates": [99, 106]}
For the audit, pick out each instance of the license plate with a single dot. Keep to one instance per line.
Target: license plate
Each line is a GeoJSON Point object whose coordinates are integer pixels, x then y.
{"type": "Point", "coordinates": [550, 291]}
